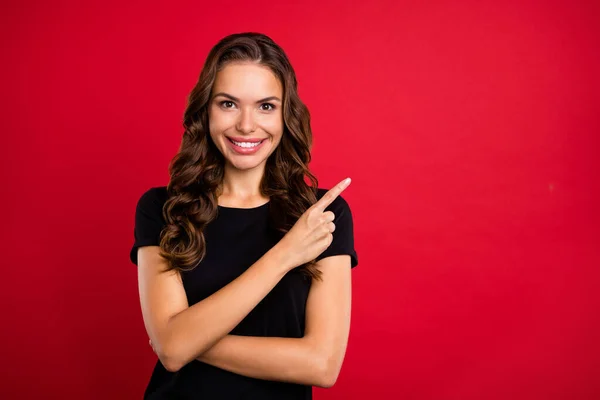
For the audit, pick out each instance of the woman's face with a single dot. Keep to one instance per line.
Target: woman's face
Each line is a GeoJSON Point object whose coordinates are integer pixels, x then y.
{"type": "Point", "coordinates": [245, 114]}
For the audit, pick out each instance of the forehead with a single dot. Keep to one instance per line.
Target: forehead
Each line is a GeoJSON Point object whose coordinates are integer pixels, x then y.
{"type": "Point", "coordinates": [247, 81]}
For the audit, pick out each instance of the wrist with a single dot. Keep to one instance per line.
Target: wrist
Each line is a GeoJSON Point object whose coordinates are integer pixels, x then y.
{"type": "Point", "coordinates": [281, 257]}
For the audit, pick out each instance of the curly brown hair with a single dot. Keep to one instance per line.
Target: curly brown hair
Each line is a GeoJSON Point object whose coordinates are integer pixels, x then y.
{"type": "Point", "coordinates": [197, 170]}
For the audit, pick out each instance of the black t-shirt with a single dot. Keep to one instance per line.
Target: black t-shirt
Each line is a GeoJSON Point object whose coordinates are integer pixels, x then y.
{"type": "Point", "coordinates": [235, 240]}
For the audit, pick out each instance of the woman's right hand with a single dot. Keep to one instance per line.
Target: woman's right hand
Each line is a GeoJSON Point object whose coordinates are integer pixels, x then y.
{"type": "Point", "coordinates": [312, 233]}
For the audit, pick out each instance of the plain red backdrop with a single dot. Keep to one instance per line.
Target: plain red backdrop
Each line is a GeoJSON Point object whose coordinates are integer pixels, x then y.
{"type": "Point", "coordinates": [470, 129]}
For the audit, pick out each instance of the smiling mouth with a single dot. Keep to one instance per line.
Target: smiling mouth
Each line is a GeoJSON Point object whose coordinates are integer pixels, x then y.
{"type": "Point", "coordinates": [247, 143]}
{"type": "Point", "coordinates": [247, 147]}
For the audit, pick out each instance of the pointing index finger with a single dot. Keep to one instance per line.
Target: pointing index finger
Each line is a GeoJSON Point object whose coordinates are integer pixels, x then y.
{"type": "Point", "coordinates": [331, 195]}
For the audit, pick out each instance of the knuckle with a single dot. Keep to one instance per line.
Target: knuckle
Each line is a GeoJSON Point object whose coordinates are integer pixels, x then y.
{"type": "Point", "coordinates": [313, 212]}
{"type": "Point", "coordinates": [325, 243]}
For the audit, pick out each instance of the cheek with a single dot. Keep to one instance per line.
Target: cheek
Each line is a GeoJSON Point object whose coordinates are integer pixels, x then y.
{"type": "Point", "coordinates": [219, 122]}
{"type": "Point", "coordinates": [274, 126]}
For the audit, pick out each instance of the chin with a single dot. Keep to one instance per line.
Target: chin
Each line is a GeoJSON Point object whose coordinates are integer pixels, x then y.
{"type": "Point", "coordinates": [244, 162]}
{"type": "Point", "coordinates": [243, 166]}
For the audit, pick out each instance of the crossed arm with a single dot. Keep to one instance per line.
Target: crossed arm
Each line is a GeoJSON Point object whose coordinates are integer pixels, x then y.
{"type": "Point", "coordinates": [316, 358]}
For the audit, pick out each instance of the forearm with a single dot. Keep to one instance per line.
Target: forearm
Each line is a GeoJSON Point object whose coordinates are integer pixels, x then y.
{"type": "Point", "coordinates": [197, 328]}
{"type": "Point", "coordinates": [294, 360]}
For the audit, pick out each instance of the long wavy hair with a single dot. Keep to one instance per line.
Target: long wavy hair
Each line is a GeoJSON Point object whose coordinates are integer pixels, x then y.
{"type": "Point", "coordinates": [197, 170]}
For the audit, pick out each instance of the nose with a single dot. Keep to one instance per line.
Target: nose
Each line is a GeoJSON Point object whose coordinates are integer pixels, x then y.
{"type": "Point", "coordinates": [245, 122]}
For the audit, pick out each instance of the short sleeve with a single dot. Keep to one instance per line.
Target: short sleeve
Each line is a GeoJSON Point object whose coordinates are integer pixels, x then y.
{"type": "Point", "coordinates": [343, 235]}
{"type": "Point", "coordinates": [149, 221]}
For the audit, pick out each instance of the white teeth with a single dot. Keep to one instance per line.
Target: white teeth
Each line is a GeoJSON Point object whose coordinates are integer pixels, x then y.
{"type": "Point", "coordinates": [246, 144]}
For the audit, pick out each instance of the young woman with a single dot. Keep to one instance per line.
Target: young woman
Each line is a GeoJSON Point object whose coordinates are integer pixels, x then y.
{"type": "Point", "coordinates": [243, 267]}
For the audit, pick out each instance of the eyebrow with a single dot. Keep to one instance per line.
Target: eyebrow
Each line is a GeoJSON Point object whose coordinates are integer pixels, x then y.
{"type": "Point", "coordinates": [236, 99]}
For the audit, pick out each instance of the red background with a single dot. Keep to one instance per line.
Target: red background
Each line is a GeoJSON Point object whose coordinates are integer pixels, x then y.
{"type": "Point", "coordinates": [470, 130]}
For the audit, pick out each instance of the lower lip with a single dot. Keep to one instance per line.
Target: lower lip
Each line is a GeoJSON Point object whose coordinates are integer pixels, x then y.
{"type": "Point", "coordinates": [245, 150]}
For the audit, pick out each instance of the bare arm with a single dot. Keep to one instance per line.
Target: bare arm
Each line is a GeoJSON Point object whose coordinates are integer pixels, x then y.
{"type": "Point", "coordinates": [315, 359]}
{"type": "Point", "coordinates": [180, 333]}
{"type": "Point", "coordinates": [272, 358]}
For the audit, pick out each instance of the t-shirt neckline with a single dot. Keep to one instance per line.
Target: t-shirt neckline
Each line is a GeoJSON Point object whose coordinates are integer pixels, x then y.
{"type": "Point", "coordinates": [244, 209]}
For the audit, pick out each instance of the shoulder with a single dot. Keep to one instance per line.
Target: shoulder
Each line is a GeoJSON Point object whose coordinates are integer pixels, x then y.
{"type": "Point", "coordinates": [156, 194]}
{"type": "Point", "coordinates": [153, 199]}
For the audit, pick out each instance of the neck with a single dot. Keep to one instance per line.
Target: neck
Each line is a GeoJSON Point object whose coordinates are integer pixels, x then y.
{"type": "Point", "coordinates": [242, 184]}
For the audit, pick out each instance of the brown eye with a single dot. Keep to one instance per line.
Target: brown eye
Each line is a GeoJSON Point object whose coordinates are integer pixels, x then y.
{"type": "Point", "coordinates": [268, 104]}
{"type": "Point", "coordinates": [226, 103]}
